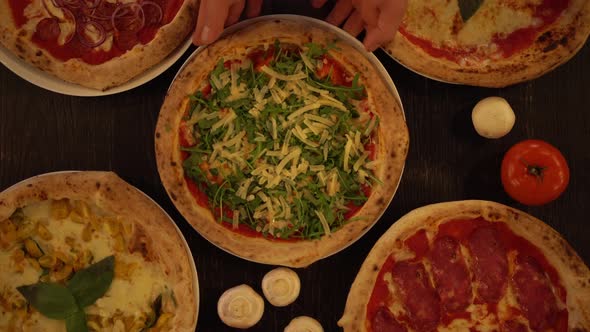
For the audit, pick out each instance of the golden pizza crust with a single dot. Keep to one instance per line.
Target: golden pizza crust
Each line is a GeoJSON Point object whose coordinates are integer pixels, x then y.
{"type": "Point", "coordinates": [552, 48]}
{"type": "Point", "coordinates": [152, 226]}
{"type": "Point", "coordinates": [392, 144]}
{"type": "Point", "coordinates": [574, 274]}
{"type": "Point", "coordinates": [109, 74]}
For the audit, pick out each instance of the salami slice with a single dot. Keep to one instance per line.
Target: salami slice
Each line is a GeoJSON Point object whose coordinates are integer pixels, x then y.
{"type": "Point", "coordinates": [48, 29]}
{"type": "Point", "coordinates": [490, 266]}
{"type": "Point", "coordinates": [385, 322]}
{"type": "Point", "coordinates": [451, 276]}
{"type": "Point", "coordinates": [534, 294]}
{"type": "Point", "coordinates": [419, 297]}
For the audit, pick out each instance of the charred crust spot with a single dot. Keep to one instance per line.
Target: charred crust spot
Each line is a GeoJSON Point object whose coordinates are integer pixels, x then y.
{"type": "Point", "coordinates": [545, 237]}
{"type": "Point", "coordinates": [550, 47]}
{"type": "Point", "coordinates": [173, 196]}
{"type": "Point", "coordinates": [188, 73]}
{"type": "Point", "coordinates": [365, 228]}
{"type": "Point", "coordinates": [380, 201]}
{"type": "Point", "coordinates": [43, 195]}
{"type": "Point", "coordinates": [39, 53]}
{"type": "Point", "coordinates": [97, 185]}
{"type": "Point", "coordinates": [494, 215]}
{"type": "Point", "coordinates": [173, 163]}
{"type": "Point", "coordinates": [29, 185]}
{"type": "Point", "coordinates": [375, 267]}
{"type": "Point", "coordinates": [388, 176]}
{"type": "Point", "coordinates": [563, 41]}
{"type": "Point", "coordinates": [157, 135]}
{"type": "Point", "coordinates": [393, 154]}
{"type": "Point", "coordinates": [277, 21]}
{"type": "Point", "coordinates": [544, 37]}
{"type": "Point", "coordinates": [19, 48]}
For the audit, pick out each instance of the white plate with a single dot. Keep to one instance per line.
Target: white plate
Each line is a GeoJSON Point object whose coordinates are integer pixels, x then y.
{"type": "Point", "coordinates": [346, 38]}
{"type": "Point", "coordinates": [186, 247]}
{"type": "Point", "coordinates": [49, 82]}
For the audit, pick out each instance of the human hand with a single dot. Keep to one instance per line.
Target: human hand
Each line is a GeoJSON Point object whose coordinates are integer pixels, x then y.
{"type": "Point", "coordinates": [214, 15]}
{"type": "Point", "coordinates": [380, 18]}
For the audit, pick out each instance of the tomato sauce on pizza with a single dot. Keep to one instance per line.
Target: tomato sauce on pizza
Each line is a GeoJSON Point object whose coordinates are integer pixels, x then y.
{"type": "Point", "coordinates": [297, 91]}
{"type": "Point", "coordinates": [497, 29]}
{"type": "Point", "coordinates": [470, 272]}
{"type": "Point", "coordinates": [95, 31]}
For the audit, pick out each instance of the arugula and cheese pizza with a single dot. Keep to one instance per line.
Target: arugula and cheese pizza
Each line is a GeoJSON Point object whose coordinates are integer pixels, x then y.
{"type": "Point", "coordinates": [470, 266]}
{"type": "Point", "coordinates": [281, 143]}
{"type": "Point", "coordinates": [86, 251]}
{"type": "Point", "coordinates": [490, 43]}
{"type": "Point", "coordinates": [98, 44]}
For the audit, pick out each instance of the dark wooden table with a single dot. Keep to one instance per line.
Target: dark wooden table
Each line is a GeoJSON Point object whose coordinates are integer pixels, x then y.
{"type": "Point", "coordinates": [41, 131]}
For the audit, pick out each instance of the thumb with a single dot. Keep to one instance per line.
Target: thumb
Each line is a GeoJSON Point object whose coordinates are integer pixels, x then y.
{"type": "Point", "coordinates": [212, 16]}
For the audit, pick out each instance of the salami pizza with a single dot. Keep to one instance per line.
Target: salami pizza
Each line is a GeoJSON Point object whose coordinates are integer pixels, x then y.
{"type": "Point", "coordinates": [95, 43]}
{"type": "Point", "coordinates": [470, 266]}
{"type": "Point", "coordinates": [281, 143]}
{"type": "Point", "coordinates": [490, 43]}
{"type": "Point", "coordinates": [81, 232]}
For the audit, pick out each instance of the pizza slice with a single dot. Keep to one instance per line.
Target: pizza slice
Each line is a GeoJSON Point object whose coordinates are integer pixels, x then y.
{"type": "Point", "coordinates": [92, 236]}
{"type": "Point", "coordinates": [469, 266]}
{"type": "Point", "coordinates": [280, 143]}
{"type": "Point", "coordinates": [98, 44]}
{"type": "Point", "coordinates": [491, 43]}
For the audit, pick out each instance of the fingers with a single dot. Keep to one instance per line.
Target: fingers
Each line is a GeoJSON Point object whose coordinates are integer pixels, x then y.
{"type": "Point", "coordinates": [369, 10]}
{"type": "Point", "coordinates": [318, 3]}
{"type": "Point", "coordinates": [212, 16]}
{"type": "Point", "coordinates": [389, 20]}
{"type": "Point", "coordinates": [341, 10]}
{"type": "Point", "coordinates": [354, 25]}
{"type": "Point", "coordinates": [253, 8]}
{"type": "Point", "coordinates": [234, 12]}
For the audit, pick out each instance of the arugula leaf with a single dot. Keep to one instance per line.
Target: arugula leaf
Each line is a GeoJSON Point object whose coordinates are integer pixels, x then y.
{"type": "Point", "coordinates": [52, 300]}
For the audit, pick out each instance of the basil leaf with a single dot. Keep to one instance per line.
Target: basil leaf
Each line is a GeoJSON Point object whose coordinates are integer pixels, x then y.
{"type": "Point", "coordinates": [52, 300]}
{"type": "Point", "coordinates": [90, 284]}
{"type": "Point", "coordinates": [77, 322]}
{"type": "Point", "coordinates": [468, 8]}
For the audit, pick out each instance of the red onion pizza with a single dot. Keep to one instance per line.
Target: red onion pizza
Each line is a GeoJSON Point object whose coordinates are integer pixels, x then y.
{"type": "Point", "coordinates": [95, 43]}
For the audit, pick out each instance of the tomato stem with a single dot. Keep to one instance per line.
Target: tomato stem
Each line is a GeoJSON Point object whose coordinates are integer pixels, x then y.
{"type": "Point", "coordinates": [535, 170]}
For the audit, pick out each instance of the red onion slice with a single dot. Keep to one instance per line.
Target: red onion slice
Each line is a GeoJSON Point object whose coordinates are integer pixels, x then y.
{"type": "Point", "coordinates": [136, 13]}
{"type": "Point", "coordinates": [94, 4]}
{"type": "Point", "coordinates": [68, 13]}
{"type": "Point", "coordinates": [81, 29]}
{"type": "Point", "coordinates": [158, 9]}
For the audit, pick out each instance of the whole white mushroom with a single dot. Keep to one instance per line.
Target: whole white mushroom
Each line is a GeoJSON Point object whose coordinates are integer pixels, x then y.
{"type": "Point", "coordinates": [493, 117]}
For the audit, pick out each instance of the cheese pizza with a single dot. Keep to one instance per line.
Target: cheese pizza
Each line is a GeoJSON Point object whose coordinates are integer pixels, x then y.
{"type": "Point", "coordinates": [81, 232]}
{"type": "Point", "coordinates": [281, 143]}
{"type": "Point", "coordinates": [470, 266]}
{"type": "Point", "coordinates": [490, 43]}
{"type": "Point", "coordinates": [95, 43]}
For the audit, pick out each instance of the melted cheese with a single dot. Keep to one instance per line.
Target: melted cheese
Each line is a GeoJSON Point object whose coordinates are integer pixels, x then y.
{"type": "Point", "coordinates": [130, 295]}
{"type": "Point", "coordinates": [440, 21]}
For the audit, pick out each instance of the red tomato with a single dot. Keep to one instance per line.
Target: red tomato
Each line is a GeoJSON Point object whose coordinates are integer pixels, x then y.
{"type": "Point", "coordinates": [534, 172]}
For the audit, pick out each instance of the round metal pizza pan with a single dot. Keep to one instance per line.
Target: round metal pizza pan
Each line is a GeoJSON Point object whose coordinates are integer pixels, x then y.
{"type": "Point", "coordinates": [343, 35]}
{"type": "Point", "coordinates": [49, 82]}
{"type": "Point", "coordinates": [186, 247]}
